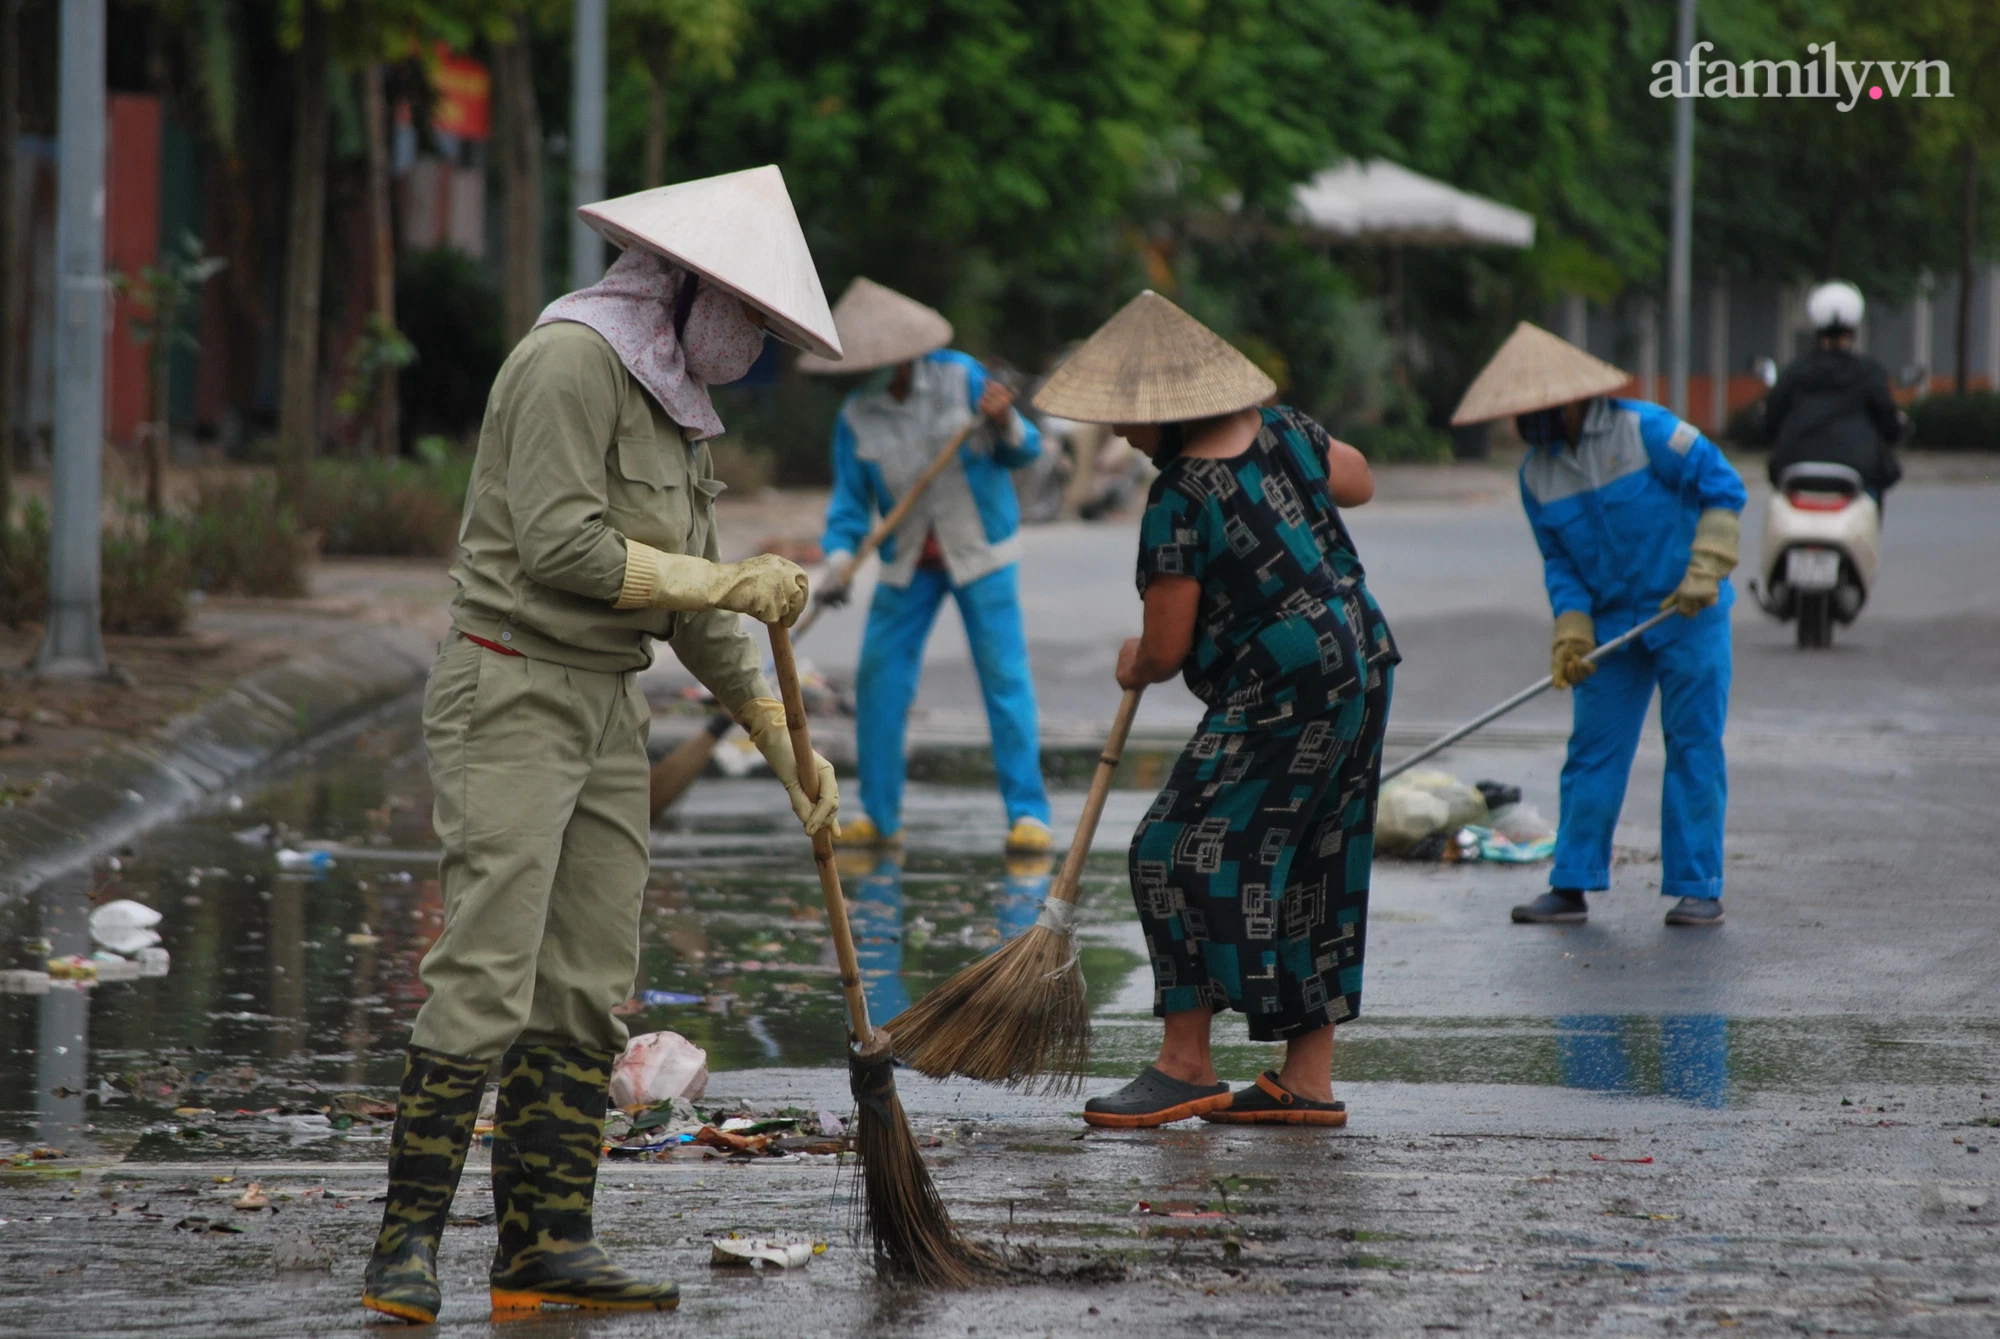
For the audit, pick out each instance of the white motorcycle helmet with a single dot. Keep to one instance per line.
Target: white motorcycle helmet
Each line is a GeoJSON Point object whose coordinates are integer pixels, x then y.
{"type": "Point", "coordinates": [1835, 308]}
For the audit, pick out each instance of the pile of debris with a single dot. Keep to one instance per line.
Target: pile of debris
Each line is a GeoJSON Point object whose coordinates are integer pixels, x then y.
{"type": "Point", "coordinates": [1433, 816]}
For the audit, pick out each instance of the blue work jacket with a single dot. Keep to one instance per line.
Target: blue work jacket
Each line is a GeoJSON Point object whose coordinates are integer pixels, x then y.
{"type": "Point", "coordinates": [1614, 516]}
{"type": "Point", "coordinates": [882, 444]}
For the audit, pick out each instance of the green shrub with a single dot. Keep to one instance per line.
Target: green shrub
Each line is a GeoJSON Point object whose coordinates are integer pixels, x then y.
{"type": "Point", "coordinates": [145, 573]}
{"type": "Point", "coordinates": [1399, 443]}
{"type": "Point", "coordinates": [1969, 422]}
{"type": "Point", "coordinates": [450, 311]}
{"type": "Point", "coordinates": [147, 576]}
{"type": "Point", "coordinates": [243, 541]}
{"type": "Point", "coordinates": [398, 509]}
{"type": "Point", "coordinates": [24, 567]}
{"type": "Point", "coordinates": [237, 540]}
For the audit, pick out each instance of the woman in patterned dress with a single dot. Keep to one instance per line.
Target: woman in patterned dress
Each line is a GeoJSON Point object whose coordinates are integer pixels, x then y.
{"type": "Point", "coordinates": [1250, 871]}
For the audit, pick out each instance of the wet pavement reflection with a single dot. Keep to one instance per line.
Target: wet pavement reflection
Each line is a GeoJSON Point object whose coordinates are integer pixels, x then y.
{"type": "Point", "coordinates": [295, 920]}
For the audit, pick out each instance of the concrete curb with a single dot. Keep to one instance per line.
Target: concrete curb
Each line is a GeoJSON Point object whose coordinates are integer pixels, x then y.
{"type": "Point", "coordinates": [113, 796]}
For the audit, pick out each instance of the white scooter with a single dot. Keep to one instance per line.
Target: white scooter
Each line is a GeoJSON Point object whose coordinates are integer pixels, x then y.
{"type": "Point", "coordinates": [1822, 547]}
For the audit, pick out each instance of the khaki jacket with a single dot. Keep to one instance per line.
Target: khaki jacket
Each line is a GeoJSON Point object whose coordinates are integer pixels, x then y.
{"type": "Point", "coordinates": [574, 456]}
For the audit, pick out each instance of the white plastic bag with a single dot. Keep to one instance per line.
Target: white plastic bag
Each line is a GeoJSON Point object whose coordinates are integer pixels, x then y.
{"type": "Point", "coordinates": [657, 1067]}
{"type": "Point", "coordinates": [125, 926]}
{"type": "Point", "coordinates": [1417, 805]}
{"type": "Point", "coordinates": [1522, 823]}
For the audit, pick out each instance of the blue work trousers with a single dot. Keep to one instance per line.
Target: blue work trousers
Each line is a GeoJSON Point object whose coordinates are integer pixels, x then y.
{"type": "Point", "coordinates": [1692, 673]}
{"type": "Point", "coordinates": [892, 658]}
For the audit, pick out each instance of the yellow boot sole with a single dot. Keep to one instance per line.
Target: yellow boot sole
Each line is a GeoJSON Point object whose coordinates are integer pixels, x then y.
{"type": "Point", "coordinates": [514, 1301]}
{"type": "Point", "coordinates": [413, 1314]}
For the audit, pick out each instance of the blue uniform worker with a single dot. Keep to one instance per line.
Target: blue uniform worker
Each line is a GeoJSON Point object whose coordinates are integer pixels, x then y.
{"type": "Point", "coordinates": [1629, 515]}
{"type": "Point", "coordinates": [960, 540]}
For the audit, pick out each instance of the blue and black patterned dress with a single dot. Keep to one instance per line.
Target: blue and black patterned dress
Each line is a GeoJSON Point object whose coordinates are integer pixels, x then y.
{"type": "Point", "coordinates": [1250, 871]}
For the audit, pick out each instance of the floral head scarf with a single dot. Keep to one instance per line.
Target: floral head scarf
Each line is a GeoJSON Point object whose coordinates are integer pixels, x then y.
{"type": "Point", "coordinates": [636, 306]}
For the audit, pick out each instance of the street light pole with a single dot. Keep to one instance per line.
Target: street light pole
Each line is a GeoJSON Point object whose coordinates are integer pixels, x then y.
{"type": "Point", "coordinates": [586, 248]}
{"type": "Point", "coordinates": [1680, 262]}
{"type": "Point", "coordinates": [72, 645]}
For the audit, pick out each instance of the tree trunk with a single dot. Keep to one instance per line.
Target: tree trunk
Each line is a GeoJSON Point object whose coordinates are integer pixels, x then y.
{"type": "Point", "coordinates": [388, 424]}
{"type": "Point", "coordinates": [521, 180]}
{"type": "Point", "coordinates": [656, 116]}
{"type": "Point", "coordinates": [298, 372]}
{"type": "Point", "coordinates": [10, 133]}
{"type": "Point", "coordinates": [1968, 225]}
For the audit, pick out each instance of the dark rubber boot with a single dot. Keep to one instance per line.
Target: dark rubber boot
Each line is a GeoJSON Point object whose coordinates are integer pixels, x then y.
{"type": "Point", "coordinates": [435, 1112]}
{"type": "Point", "coordinates": [1696, 911]}
{"type": "Point", "coordinates": [1558, 906]}
{"type": "Point", "coordinates": [548, 1133]}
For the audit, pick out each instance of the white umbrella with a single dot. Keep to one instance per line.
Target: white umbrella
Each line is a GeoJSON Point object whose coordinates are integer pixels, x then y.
{"type": "Point", "coordinates": [1378, 201]}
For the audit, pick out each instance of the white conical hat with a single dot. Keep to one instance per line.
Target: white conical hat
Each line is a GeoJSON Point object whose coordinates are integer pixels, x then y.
{"type": "Point", "coordinates": [879, 327]}
{"type": "Point", "coordinates": [1153, 363]}
{"type": "Point", "coordinates": [1535, 370]}
{"type": "Point", "coordinates": [739, 231]}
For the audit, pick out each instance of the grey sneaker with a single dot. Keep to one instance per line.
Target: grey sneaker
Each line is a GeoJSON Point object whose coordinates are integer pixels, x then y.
{"type": "Point", "coordinates": [1696, 911]}
{"type": "Point", "coordinates": [1558, 906]}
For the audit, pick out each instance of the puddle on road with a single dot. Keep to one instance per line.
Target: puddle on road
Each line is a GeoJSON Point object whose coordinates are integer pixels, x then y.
{"type": "Point", "coordinates": [288, 988]}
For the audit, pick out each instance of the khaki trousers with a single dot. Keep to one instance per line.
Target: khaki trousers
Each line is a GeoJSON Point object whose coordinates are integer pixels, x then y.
{"type": "Point", "coordinates": [539, 773]}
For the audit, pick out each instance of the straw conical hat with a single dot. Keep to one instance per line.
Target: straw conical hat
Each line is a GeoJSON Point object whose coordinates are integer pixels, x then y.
{"type": "Point", "coordinates": [879, 327]}
{"type": "Point", "coordinates": [1153, 363]}
{"type": "Point", "coordinates": [1535, 370]}
{"type": "Point", "coordinates": [739, 231]}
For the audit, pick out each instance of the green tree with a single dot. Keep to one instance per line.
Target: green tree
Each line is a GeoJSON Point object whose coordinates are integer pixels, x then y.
{"type": "Point", "coordinates": [665, 39]}
{"type": "Point", "coordinates": [167, 294]}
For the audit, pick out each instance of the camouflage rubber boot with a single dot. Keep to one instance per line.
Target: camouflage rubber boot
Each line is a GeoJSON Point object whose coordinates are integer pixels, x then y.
{"type": "Point", "coordinates": [548, 1133]}
{"type": "Point", "coordinates": [435, 1112]}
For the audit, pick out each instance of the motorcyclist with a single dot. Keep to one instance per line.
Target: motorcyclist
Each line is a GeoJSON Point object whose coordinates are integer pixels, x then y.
{"type": "Point", "coordinates": [1833, 404]}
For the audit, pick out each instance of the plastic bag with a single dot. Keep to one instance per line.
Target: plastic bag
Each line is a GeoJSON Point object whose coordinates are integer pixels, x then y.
{"type": "Point", "coordinates": [657, 1067]}
{"type": "Point", "coordinates": [1480, 843]}
{"type": "Point", "coordinates": [1522, 823]}
{"type": "Point", "coordinates": [1417, 805]}
{"type": "Point", "coordinates": [125, 926]}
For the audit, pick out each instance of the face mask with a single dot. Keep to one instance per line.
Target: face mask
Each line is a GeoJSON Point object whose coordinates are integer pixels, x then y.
{"type": "Point", "coordinates": [1544, 427]}
{"type": "Point", "coordinates": [720, 341]}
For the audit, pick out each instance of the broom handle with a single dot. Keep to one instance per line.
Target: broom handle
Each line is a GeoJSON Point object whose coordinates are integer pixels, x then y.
{"type": "Point", "coordinates": [829, 877]}
{"type": "Point", "coordinates": [887, 525]}
{"type": "Point", "coordinates": [1528, 694]}
{"type": "Point", "coordinates": [720, 722]}
{"type": "Point", "coordinates": [1093, 804]}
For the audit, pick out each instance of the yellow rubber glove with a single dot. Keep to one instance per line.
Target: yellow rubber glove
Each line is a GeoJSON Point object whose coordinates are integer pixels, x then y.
{"type": "Point", "coordinates": [1576, 637]}
{"type": "Point", "coordinates": [763, 718]}
{"type": "Point", "coordinates": [768, 588]}
{"type": "Point", "coordinates": [1709, 565]}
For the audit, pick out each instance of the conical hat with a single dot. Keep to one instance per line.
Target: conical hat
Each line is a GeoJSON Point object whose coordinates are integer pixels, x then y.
{"type": "Point", "coordinates": [879, 327]}
{"type": "Point", "coordinates": [1535, 370]}
{"type": "Point", "coordinates": [1153, 363]}
{"type": "Point", "coordinates": [739, 231]}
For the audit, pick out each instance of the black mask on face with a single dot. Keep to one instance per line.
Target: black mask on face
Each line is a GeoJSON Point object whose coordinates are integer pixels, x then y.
{"type": "Point", "coordinates": [1544, 427]}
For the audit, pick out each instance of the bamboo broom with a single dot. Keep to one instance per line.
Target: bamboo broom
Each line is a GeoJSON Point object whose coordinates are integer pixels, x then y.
{"type": "Point", "coordinates": [1021, 1015]}
{"type": "Point", "coordinates": [675, 773]}
{"type": "Point", "coordinates": [912, 1234]}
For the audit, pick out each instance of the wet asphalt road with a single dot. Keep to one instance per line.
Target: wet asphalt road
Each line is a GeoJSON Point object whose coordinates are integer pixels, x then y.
{"type": "Point", "coordinates": [1816, 1084]}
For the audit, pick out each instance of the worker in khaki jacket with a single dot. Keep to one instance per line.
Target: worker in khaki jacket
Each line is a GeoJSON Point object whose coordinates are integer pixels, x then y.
{"type": "Point", "coordinates": [588, 533]}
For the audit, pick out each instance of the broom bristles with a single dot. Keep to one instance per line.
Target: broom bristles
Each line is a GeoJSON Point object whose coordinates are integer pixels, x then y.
{"type": "Point", "coordinates": [1019, 1016]}
{"type": "Point", "coordinates": [913, 1235]}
